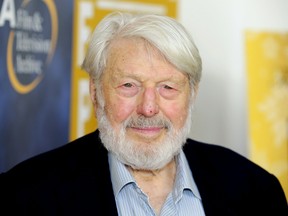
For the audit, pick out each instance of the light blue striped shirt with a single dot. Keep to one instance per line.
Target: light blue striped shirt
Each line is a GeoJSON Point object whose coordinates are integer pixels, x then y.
{"type": "Point", "coordinates": [183, 200]}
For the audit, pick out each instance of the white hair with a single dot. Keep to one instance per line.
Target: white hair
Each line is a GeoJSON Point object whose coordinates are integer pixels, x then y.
{"type": "Point", "coordinates": [164, 33]}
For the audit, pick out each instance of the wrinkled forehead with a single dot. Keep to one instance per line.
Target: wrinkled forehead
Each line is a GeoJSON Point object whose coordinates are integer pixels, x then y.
{"type": "Point", "coordinates": [135, 43]}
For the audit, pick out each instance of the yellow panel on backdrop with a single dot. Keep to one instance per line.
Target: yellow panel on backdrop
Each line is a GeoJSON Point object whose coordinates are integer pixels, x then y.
{"type": "Point", "coordinates": [87, 13]}
{"type": "Point", "coordinates": [267, 66]}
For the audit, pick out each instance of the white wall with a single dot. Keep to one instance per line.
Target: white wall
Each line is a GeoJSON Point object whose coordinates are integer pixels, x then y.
{"type": "Point", "coordinates": [220, 113]}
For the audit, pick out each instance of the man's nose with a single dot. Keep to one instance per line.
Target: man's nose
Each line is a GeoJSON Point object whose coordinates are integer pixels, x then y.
{"type": "Point", "coordinates": [148, 105]}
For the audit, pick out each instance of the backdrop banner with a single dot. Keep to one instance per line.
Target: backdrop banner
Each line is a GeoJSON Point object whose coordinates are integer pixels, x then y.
{"type": "Point", "coordinates": [35, 77]}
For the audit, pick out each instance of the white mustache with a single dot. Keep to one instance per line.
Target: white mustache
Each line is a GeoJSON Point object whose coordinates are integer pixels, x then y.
{"type": "Point", "coordinates": [143, 122]}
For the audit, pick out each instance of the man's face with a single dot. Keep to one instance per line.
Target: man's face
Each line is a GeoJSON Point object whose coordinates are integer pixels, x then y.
{"type": "Point", "coordinates": [145, 98]}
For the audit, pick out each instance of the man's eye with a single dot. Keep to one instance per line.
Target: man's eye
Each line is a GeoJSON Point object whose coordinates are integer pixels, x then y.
{"type": "Point", "coordinates": [167, 87]}
{"type": "Point", "coordinates": [128, 89]}
{"type": "Point", "coordinates": [128, 85]}
{"type": "Point", "coordinates": [168, 91]}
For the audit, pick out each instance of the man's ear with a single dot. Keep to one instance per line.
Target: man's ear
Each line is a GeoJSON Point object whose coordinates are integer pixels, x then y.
{"type": "Point", "coordinates": [195, 91]}
{"type": "Point", "coordinates": [92, 90]}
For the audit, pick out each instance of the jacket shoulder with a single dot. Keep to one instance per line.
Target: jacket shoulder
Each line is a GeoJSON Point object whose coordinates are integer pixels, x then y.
{"type": "Point", "coordinates": [64, 159]}
{"type": "Point", "coordinates": [223, 157]}
{"type": "Point", "coordinates": [67, 180]}
{"type": "Point", "coordinates": [226, 176]}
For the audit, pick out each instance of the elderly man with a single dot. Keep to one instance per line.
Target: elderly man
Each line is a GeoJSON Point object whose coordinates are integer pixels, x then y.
{"type": "Point", "coordinates": [144, 76]}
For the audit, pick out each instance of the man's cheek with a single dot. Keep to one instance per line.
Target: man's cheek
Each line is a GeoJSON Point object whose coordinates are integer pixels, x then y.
{"type": "Point", "coordinates": [177, 115]}
{"type": "Point", "coordinates": [122, 110]}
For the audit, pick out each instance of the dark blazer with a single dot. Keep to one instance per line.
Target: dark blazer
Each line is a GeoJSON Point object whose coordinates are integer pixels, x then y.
{"type": "Point", "coordinates": [75, 180]}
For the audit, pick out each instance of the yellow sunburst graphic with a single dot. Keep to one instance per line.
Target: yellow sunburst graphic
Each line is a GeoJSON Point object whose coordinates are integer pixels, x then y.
{"type": "Point", "coordinates": [267, 72]}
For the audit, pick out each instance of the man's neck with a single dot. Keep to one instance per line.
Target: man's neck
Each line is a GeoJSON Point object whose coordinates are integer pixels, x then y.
{"type": "Point", "coordinates": [156, 184]}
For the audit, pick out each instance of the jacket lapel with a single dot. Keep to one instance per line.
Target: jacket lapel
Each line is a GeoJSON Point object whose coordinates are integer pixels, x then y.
{"type": "Point", "coordinates": [102, 185]}
{"type": "Point", "coordinates": [203, 172]}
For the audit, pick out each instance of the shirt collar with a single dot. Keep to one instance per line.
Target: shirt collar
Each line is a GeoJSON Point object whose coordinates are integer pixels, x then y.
{"type": "Point", "coordinates": [120, 176]}
{"type": "Point", "coordinates": [184, 178]}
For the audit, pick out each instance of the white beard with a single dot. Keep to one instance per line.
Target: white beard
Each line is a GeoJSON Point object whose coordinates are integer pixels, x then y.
{"type": "Point", "coordinates": [138, 155]}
